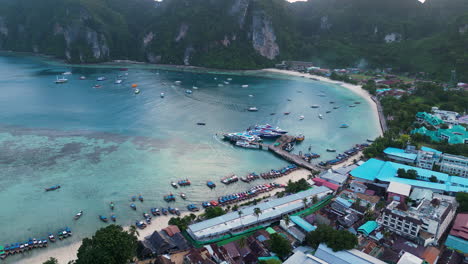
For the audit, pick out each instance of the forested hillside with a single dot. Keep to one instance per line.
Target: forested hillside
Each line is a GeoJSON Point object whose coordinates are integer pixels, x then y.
{"type": "Point", "coordinates": [243, 34]}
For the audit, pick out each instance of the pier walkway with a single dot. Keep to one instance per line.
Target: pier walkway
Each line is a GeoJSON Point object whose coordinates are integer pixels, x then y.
{"type": "Point", "coordinates": [277, 149]}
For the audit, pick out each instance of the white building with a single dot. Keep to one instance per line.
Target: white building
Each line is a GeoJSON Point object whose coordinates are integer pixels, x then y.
{"type": "Point", "coordinates": [454, 165]}
{"type": "Point", "coordinates": [448, 117]}
{"type": "Point", "coordinates": [425, 223]}
{"type": "Point", "coordinates": [426, 159]}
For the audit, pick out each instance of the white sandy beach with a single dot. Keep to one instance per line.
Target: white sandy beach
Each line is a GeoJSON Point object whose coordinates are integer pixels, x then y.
{"type": "Point", "coordinates": [66, 253]}
{"type": "Point", "coordinates": [357, 89]}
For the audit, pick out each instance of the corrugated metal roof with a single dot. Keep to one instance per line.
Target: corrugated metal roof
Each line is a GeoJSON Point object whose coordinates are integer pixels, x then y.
{"type": "Point", "coordinates": [387, 171]}
{"type": "Point", "coordinates": [400, 153]}
{"type": "Point", "coordinates": [303, 223]}
{"type": "Point", "coordinates": [270, 210]}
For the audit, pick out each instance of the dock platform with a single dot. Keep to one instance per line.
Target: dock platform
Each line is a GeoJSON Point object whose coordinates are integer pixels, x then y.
{"type": "Point", "coordinates": [277, 149]}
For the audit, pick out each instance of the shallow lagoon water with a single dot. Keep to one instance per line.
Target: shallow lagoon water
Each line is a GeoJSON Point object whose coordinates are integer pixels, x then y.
{"type": "Point", "coordinates": [109, 144]}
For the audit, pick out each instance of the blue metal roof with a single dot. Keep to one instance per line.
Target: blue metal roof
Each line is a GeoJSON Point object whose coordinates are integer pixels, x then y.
{"type": "Point", "coordinates": [343, 202]}
{"type": "Point", "coordinates": [457, 243]}
{"type": "Point", "coordinates": [400, 153]}
{"type": "Point", "coordinates": [387, 171]}
{"type": "Point", "coordinates": [431, 150]}
{"type": "Point", "coordinates": [303, 223]}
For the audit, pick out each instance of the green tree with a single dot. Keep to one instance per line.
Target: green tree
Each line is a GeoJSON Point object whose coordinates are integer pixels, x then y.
{"type": "Point", "coordinates": [295, 187]}
{"type": "Point", "coordinates": [304, 201]}
{"type": "Point", "coordinates": [314, 199]}
{"type": "Point", "coordinates": [335, 239]}
{"type": "Point", "coordinates": [462, 199]}
{"type": "Point", "coordinates": [212, 212]}
{"type": "Point", "coordinates": [110, 245]}
{"type": "Point", "coordinates": [279, 245]}
{"type": "Point", "coordinates": [133, 230]}
{"type": "Point", "coordinates": [286, 219]}
{"type": "Point", "coordinates": [433, 179]}
{"type": "Point", "coordinates": [51, 261]}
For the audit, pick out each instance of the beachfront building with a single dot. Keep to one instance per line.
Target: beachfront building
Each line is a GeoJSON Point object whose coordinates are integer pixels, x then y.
{"type": "Point", "coordinates": [425, 223]}
{"type": "Point", "coordinates": [407, 156]}
{"type": "Point", "coordinates": [454, 165]}
{"type": "Point", "coordinates": [458, 236]}
{"type": "Point", "coordinates": [271, 211]}
{"type": "Point", "coordinates": [333, 177]}
{"type": "Point", "coordinates": [386, 171]}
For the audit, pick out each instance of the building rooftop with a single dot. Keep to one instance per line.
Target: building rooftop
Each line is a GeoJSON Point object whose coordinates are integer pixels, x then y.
{"type": "Point", "coordinates": [399, 188]}
{"type": "Point", "coordinates": [345, 257]}
{"type": "Point", "coordinates": [460, 226]}
{"type": "Point", "coordinates": [431, 255]}
{"type": "Point", "coordinates": [387, 171]}
{"type": "Point", "coordinates": [302, 223]}
{"type": "Point", "coordinates": [335, 177]}
{"type": "Point", "coordinates": [368, 227]}
{"type": "Point", "coordinates": [303, 255]}
{"type": "Point", "coordinates": [323, 182]}
{"type": "Point", "coordinates": [409, 258]}
{"type": "Point", "coordinates": [270, 210]}
{"type": "Point", "coordinates": [400, 153]}
{"type": "Point", "coordinates": [423, 148]}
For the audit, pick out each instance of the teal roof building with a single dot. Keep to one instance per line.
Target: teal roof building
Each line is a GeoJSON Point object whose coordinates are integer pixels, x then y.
{"type": "Point", "coordinates": [368, 227]}
{"type": "Point", "coordinates": [386, 171]}
{"type": "Point", "coordinates": [455, 135]}
{"type": "Point", "coordinates": [429, 119]}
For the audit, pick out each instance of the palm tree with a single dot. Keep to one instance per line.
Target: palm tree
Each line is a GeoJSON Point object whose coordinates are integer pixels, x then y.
{"type": "Point", "coordinates": [305, 202]}
{"type": "Point", "coordinates": [287, 220]}
{"type": "Point", "coordinates": [240, 213]}
{"type": "Point", "coordinates": [257, 212]}
{"type": "Point", "coordinates": [133, 230]}
{"type": "Point", "coordinates": [314, 199]}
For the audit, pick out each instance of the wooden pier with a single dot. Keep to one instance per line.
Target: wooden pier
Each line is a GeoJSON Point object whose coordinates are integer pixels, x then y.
{"type": "Point", "coordinates": [277, 149]}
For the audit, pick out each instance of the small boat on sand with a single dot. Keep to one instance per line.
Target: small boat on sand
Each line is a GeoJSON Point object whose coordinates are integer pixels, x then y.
{"type": "Point", "coordinates": [146, 215]}
{"type": "Point", "coordinates": [78, 215]}
{"type": "Point", "coordinates": [133, 206]}
{"type": "Point", "coordinates": [177, 212]}
{"type": "Point", "coordinates": [52, 188]}
{"type": "Point", "coordinates": [51, 238]}
{"type": "Point", "coordinates": [155, 211]}
{"type": "Point", "coordinates": [140, 224]}
{"type": "Point", "coordinates": [192, 208]}
{"type": "Point", "coordinates": [171, 210]}
{"type": "Point", "coordinates": [164, 211]}
{"type": "Point", "coordinates": [103, 218]}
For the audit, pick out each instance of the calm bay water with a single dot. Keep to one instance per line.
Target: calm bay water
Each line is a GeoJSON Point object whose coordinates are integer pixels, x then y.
{"type": "Point", "coordinates": [108, 144]}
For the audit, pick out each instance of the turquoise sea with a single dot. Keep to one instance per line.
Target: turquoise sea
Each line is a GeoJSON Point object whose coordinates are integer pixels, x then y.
{"type": "Point", "coordinates": [109, 144]}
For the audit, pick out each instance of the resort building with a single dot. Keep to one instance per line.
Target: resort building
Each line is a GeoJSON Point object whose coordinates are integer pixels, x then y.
{"type": "Point", "coordinates": [271, 211]}
{"type": "Point", "coordinates": [426, 159]}
{"type": "Point", "coordinates": [386, 171]}
{"type": "Point", "coordinates": [458, 236]}
{"type": "Point", "coordinates": [454, 165]}
{"type": "Point", "coordinates": [426, 118]}
{"type": "Point", "coordinates": [448, 117]}
{"type": "Point", "coordinates": [424, 223]}
{"type": "Point", "coordinates": [455, 135]}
